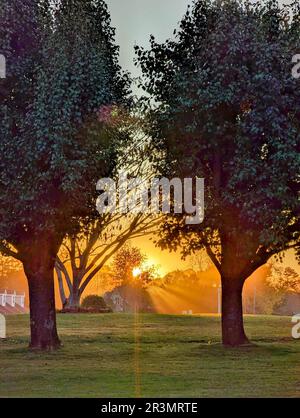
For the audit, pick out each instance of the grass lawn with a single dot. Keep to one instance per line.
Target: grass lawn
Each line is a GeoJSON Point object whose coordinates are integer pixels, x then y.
{"type": "Point", "coordinates": [120, 355]}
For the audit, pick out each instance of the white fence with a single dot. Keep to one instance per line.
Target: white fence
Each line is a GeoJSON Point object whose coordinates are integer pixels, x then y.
{"type": "Point", "coordinates": [2, 66]}
{"type": "Point", "coordinates": [12, 299]}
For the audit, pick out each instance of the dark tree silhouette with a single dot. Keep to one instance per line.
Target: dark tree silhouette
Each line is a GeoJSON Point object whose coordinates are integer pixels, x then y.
{"type": "Point", "coordinates": [61, 69]}
{"type": "Point", "coordinates": [227, 109]}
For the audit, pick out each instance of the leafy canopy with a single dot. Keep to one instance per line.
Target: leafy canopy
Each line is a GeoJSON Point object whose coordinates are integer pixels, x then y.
{"type": "Point", "coordinates": [227, 109]}
{"type": "Point", "coordinates": [62, 67]}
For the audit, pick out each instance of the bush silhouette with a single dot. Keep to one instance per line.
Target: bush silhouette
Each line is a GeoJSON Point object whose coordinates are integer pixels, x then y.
{"type": "Point", "coordinates": [94, 302]}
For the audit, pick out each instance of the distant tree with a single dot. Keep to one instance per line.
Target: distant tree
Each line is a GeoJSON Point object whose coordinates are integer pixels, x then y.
{"type": "Point", "coordinates": [125, 261]}
{"type": "Point", "coordinates": [129, 267]}
{"type": "Point", "coordinates": [62, 70]}
{"type": "Point", "coordinates": [8, 265]}
{"type": "Point", "coordinates": [181, 278]}
{"type": "Point", "coordinates": [284, 279]}
{"type": "Point", "coordinates": [84, 255]}
{"type": "Point", "coordinates": [227, 109]}
{"type": "Point", "coordinates": [272, 291]}
{"type": "Point", "coordinates": [200, 261]}
{"type": "Point", "coordinates": [148, 276]}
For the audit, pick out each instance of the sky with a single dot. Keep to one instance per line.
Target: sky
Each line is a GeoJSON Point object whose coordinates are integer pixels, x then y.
{"type": "Point", "coordinates": [135, 21]}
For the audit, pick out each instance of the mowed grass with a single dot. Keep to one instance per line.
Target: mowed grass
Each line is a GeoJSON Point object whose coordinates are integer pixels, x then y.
{"type": "Point", "coordinates": [120, 355]}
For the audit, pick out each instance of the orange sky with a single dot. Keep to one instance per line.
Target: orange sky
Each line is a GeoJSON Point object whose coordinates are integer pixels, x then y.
{"type": "Point", "coordinates": [167, 261]}
{"type": "Point", "coordinates": [172, 261]}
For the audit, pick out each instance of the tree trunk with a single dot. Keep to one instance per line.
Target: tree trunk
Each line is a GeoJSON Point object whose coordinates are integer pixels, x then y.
{"type": "Point", "coordinates": [61, 287]}
{"type": "Point", "coordinates": [39, 269]}
{"type": "Point", "coordinates": [73, 301]}
{"type": "Point", "coordinates": [233, 333]}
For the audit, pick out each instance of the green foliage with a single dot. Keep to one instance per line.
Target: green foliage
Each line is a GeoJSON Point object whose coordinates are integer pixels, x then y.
{"type": "Point", "coordinates": [227, 109]}
{"type": "Point", "coordinates": [62, 67]}
{"type": "Point", "coordinates": [93, 302]}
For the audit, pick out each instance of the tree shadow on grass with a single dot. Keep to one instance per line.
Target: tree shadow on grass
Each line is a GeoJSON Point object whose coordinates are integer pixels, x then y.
{"type": "Point", "coordinates": [272, 347]}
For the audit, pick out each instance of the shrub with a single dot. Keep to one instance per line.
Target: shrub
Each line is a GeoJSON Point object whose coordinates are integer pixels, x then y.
{"type": "Point", "coordinates": [94, 302]}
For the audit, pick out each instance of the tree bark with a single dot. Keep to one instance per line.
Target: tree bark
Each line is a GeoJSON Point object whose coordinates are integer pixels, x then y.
{"type": "Point", "coordinates": [73, 301]}
{"type": "Point", "coordinates": [61, 287]}
{"type": "Point", "coordinates": [233, 333]}
{"type": "Point", "coordinates": [39, 269]}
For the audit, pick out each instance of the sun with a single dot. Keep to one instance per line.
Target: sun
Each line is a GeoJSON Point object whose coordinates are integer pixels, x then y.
{"type": "Point", "coordinates": [136, 272]}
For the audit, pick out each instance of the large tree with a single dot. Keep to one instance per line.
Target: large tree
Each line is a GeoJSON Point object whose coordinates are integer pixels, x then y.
{"type": "Point", "coordinates": [227, 109]}
{"type": "Point", "coordinates": [62, 67]}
